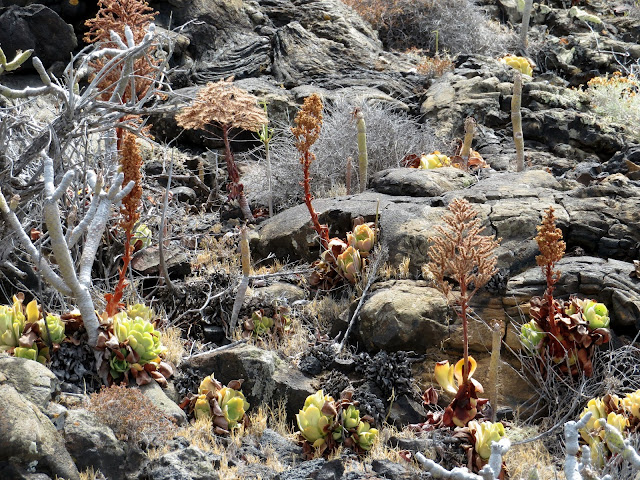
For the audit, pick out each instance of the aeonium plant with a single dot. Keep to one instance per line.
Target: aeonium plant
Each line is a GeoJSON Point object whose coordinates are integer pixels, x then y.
{"type": "Point", "coordinates": [326, 423]}
{"type": "Point", "coordinates": [26, 333]}
{"type": "Point", "coordinates": [132, 346]}
{"type": "Point", "coordinates": [345, 260]}
{"type": "Point", "coordinates": [567, 331]}
{"type": "Point", "coordinates": [226, 407]}
{"type": "Point", "coordinates": [465, 404]}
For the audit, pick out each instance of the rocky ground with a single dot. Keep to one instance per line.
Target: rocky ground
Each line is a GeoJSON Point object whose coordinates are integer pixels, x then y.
{"type": "Point", "coordinates": [583, 164]}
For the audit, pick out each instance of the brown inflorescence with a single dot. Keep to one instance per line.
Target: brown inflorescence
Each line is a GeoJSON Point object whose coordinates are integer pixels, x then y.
{"type": "Point", "coordinates": [114, 15]}
{"type": "Point", "coordinates": [307, 130]}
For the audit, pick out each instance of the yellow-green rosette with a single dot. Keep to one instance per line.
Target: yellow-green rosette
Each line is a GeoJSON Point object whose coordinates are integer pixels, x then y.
{"type": "Point", "coordinates": [313, 424]}
{"type": "Point", "coordinates": [366, 435]}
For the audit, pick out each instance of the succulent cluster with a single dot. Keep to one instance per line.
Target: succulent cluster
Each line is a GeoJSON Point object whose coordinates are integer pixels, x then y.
{"type": "Point", "coordinates": [621, 413]}
{"type": "Point", "coordinates": [344, 260]}
{"type": "Point", "coordinates": [580, 326]}
{"type": "Point", "coordinates": [438, 160]}
{"type": "Point", "coordinates": [482, 435]}
{"type": "Point", "coordinates": [25, 333]}
{"type": "Point", "coordinates": [521, 64]}
{"type": "Point", "coordinates": [434, 160]}
{"type": "Point", "coordinates": [325, 423]}
{"type": "Point", "coordinates": [225, 406]}
{"type": "Point", "coordinates": [273, 321]}
{"type": "Point", "coordinates": [459, 412]}
{"type": "Point", "coordinates": [133, 346]}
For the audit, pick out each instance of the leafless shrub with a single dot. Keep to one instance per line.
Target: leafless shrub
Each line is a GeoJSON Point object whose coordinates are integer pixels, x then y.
{"type": "Point", "coordinates": [390, 136]}
{"type": "Point", "coordinates": [459, 26]}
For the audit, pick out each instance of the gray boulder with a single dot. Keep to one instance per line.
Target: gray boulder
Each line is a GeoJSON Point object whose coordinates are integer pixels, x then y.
{"type": "Point", "coordinates": [189, 463]}
{"type": "Point", "coordinates": [93, 445]}
{"type": "Point", "coordinates": [267, 378]}
{"type": "Point", "coordinates": [39, 28]}
{"type": "Point", "coordinates": [35, 382]}
{"type": "Point", "coordinates": [27, 437]}
{"type": "Point", "coordinates": [403, 315]}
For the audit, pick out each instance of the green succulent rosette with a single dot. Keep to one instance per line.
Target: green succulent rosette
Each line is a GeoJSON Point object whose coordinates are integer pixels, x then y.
{"type": "Point", "coordinates": [233, 405]}
{"type": "Point", "coordinates": [366, 435]}
{"type": "Point", "coordinates": [140, 335]}
{"type": "Point", "coordinates": [313, 424]}
{"type": "Point", "coordinates": [485, 434]}
{"type": "Point", "coordinates": [52, 329]}
{"type": "Point", "coordinates": [32, 353]}
{"type": "Point", "coordinates": [531, 335]}
{"type": "Point", "coordinates": [596, 314]}
{"type": "Point", "coordinates": [12, 322]}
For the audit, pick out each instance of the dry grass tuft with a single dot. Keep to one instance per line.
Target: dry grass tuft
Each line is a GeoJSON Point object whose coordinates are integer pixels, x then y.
{"type": "Point", "coordinates": [131, 415]}
{"type": "Point", "coordinates": [522, 459]}
{"type": "Point", "coordinates": [171, 338]}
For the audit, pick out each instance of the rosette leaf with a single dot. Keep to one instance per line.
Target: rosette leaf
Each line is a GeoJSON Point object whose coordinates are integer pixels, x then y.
{"type": "Point", "coordinates": [366, 435]}
{"type": "Point", "coordinates": [350, 264]}
{"type": "Point", "coordinates": [202, 409]}
{"type": "Point", "coordinates": [485, 434]}
{"type": "Point", "coordinates": [53, 330]}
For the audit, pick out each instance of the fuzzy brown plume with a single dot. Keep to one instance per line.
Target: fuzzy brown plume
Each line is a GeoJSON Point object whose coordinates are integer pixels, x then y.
{"type": "Point", "coordinates": [460, 252]}
{"type": "Point", "coordinates": [551, 246]}
{"type": "Point", "coordinates": [113, 15]}
{"type": "Point", "coordinates": [307, 130]}
{"type": "Point", "coordinates": [223, 104]}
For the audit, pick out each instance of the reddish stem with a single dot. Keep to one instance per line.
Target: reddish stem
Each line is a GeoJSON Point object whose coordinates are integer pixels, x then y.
{"type": "Point", "coordinates": [235, 188]}
{"type": "Point", "coordinates": [465, 333]}
{"type": "Point", "coordinates": [322, 230]}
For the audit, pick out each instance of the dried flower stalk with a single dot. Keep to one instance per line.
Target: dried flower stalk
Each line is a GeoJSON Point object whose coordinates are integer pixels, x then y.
{"type": "Point", "coordinates": [461, 253]}
{"type": "Point", "coordinates": [224, 105]}
{"type": "Point", "coordinates": [307, 130]}
{"type": "Point", "coordinates": [552, 249]}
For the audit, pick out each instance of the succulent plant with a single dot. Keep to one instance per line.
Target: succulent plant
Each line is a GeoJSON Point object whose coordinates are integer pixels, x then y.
{"type": "Point", "coordinates": [32, 353]}
{"type": "Point", "coordinates": [596, 314]}
{"type": "Point", "coordinates": [519, 63]}
{"type": "Point", "coordinates": [434, 160]}
{"type": "Point", "coordinates": [52, 329]}
{"type": "Point", "coordinates": [143, 235]}
{"type": "Point", "coordinates": [464, 406]}
{"type": "Point", "coordinates": [485, 433]}
{"type": "Point", "coordinates": [531, 336]}
{"type": "Point", "coordinates": [134, 328]}
{"type": "Point", "coordinates": [261, 323]}
{"type": "Point", "coordinates": [225, 406]}
{"type": "Point", "coordinates": [350, 417]}
{"type": "Point", "coordinates": [366, 435]}
{"type": "Point", "coordinates": [631, 403]}
{"type": "Point", "coordinates": [350, 264]}
{"type": "Point", "coordinates": [233, 404]}
{"type": "Point", "coordinates": [362, 238]}
{"type": "Point", "coordinates": [12, 322]}
{"type": "Point", "coordinates": [314, 420]}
